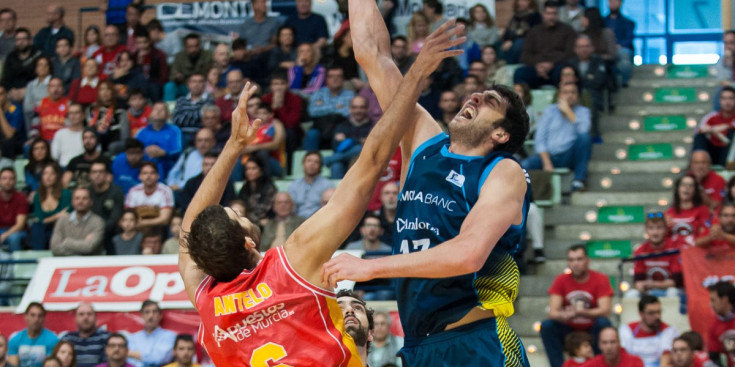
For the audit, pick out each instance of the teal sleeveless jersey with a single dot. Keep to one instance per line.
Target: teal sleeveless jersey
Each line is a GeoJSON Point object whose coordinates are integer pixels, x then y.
{"type": "Point", "coordinates": [438, 193]}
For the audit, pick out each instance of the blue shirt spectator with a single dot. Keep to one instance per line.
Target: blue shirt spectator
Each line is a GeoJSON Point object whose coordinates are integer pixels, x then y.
{"type": "Point", "coordinates": [126, 165]}
{"type": "Point", "coordinates": [332, 98]}
{"type": "Point", "coordinates": [189, 164]}
{"type": "Point", "coordinates": [162, 143]}
{"type": "Point", "coordinates": [623, 27]}
{"type": "Point", "coordinates": [310, 27]}
{"type": "Point", "coordinates": [30, 346]}
{"type": "Point", "coordinates": [556, 134]}
{"type": "Point", "coordinates": [155, 347]}
{"type": "Point", "coordinates": [13, 113]}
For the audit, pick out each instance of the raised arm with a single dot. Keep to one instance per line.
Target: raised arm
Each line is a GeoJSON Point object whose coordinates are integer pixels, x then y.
{"type": "Point", "coordinates": [371, 43]}
{"type": "Point", "coordinates": [314, 242]}
{"type": "Point", "coordinates": [211, 189]}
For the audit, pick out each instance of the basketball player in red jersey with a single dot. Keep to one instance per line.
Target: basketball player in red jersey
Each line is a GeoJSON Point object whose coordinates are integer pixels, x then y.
{"type": "Point", "coordinates": [274, 309]}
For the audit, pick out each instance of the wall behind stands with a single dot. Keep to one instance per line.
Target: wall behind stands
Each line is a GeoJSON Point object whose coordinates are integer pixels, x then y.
{"type": "Point", "coordinates": [32, 13]}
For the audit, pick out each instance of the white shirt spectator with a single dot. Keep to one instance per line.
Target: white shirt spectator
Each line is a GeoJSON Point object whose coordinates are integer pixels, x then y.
{"type": "Point", "coordinates": [66, 145]}
{"type": "Point", "coordinates": [162, 197]}
{"type": "Point", "coordinates": [648, 346]}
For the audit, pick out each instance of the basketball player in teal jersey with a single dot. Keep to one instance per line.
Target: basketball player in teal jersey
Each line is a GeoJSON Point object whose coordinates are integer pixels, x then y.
{"type": "Point", "coordinates": [461, 214]}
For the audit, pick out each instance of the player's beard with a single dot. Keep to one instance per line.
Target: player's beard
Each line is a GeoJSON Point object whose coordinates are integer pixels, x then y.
{"type": "Point", "coordinates": [359, 334]}
{"type": "Point", "coordinates": [471, 134]}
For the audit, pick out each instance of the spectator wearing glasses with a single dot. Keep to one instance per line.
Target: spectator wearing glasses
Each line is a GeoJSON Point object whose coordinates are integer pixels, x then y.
{"type": "Point", "coordinates": [650, 338]}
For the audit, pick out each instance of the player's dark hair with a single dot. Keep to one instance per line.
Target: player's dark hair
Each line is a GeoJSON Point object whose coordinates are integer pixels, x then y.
{"type": "Point", "coordinates": [693, 338]}
{"type": "Point", "coordinates": [724, 288]}
{"type": "Point", "coordinates": [646, 300]}
{"type": "Point", "coordinates": [369, 312]}
{"type": "Point", "coordinates": [186, 338]}
{"type": "Point", "coordinates": [577, 247]}
{"type": "Point", "coordinates": [573, 341]}
{"type": "Point", "coordinates": [515, 122]}
{"type": "Point", "coordinates": [216, 244]}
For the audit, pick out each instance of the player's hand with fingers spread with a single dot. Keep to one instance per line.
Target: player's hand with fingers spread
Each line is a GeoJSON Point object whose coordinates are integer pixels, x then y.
{"type": "Point", "coordinates": [345, 267]}
{"type": "Point", "coordinates": [437, 47]}
{"type": "Point", "coordinates": [242, 131]}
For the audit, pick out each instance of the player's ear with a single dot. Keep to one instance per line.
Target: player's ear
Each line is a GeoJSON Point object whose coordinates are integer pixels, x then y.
{"type": "Point", "coordinates": [370, 335]}
{"type": "Point", "coordinates": [500, 136]}
{"type": "Point", "coordinates": [249, 243]}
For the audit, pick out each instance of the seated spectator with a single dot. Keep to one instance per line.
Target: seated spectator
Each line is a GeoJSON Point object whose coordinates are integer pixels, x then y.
{"type": "Point", "coordinates": [307, 75]}
{"type": "Point", "coordinates": [84, 90]}
{"type": "Point", "coordinates": [258, 191]}
{"type": "Point", "coordinates": [242, 59]}
{"type": "Point", "coordinates": [269, 143]}
{"type": "Point", "coordinates": [38, 157]}
{"type": "Point", "coordinates": [107, 200]}
{"type": "Point", "coordinates": [571, 13]}
{"type": "Point", "coordinates": [171, 245]}
{"type": "Point", "coordinates": [52, 112]}
{"type": "Point", "coordinates": [133, 14]}
{"type": "Point", "coordinates": [349, 136]}
{"type": "Point", "coordinates": [722, 301]}
{"type": "Point", "coordinates": [192, 185]}
{"type": "Point", "coordinates": [152, 200]}
{"type": "Point", "coordinates": [188, 111]}
{"type": "Point", "coordinates": [309, 27]}
{"type": "Point", "coordinates": [402, 56]}
{"type": "Point", "coordinates": [189, 164]}
{"type": "Point", "coordinates": [472, 51]}
{"type": "Point", "coordinates": [722, 232]}
{"type": "Point", "coordinates": [306, 192]}
{"type": "Point", "coordinates": [525, 17]}
{"type": "Point", "coordinates": [127, 77]}
{"type": "Point", "coordinates": [116, 352]}
{"type": "Point", "coordinates": [417, 31]}
{"type": "Point", "coordinates": [37, 89]}
{"type": "Point", "coordinates": [332, 98]}
{"type": "Point", "coordinates": [138, 111]}
{"type": "Point", "coordinates": [64, 353]}
{"type": "Point", "coordinates": [169, 43]}
{"type": "Point", "coordinates": [687, 217]}
{"type": "Point", "coordinates": [650, 338]}
{"type": "Point", "coordinates": [471, 84]}
{"type": "Point", "coordinates": [287, 108]}
{"type": "Point", "coordinates": [8, 19]}
{"type": "Point", "coordinates": [387, 211]}
{"type": "Point", "coordinates": [695, 342]}
{"type": "Point", "coordinates": [65, 65]}
{"type": "Point", "coordinates": [283, 56]}
{"type": "Point", "coordinates": [30, 346]}
{"type": "Point", "coordinates": [152, 242]}
{"type": "Point", "coordinates": [108, 119]}
{"type": "Point", "coordinates": [45, 39]}
{"type": "Point", "coordinates": [449, 105]}
{"type": "Point", "coordinates": [370, 232]}
{"type": "Point", "coordinates": [184, 350]}
{"type": "Point", "coordinates": [285, 221]}
{"type": "Point", "coordinates": [126, 165]}
{"type": "Point", "coordinates": [20, 65]}
{"type": "Point", "coordinates": [260, 29]}
{"type": "Point", "coordinates": [603, 39]}
{"type": "Point", "coordinates": [524, 91]}
{"type": "Point", "coordinates": [50, 203]}
{"type": "Point", "coordinates": [684, 355]}
{"type": "Point", "coordinates": [151, 61]}
{"type": "Point", "coordinates": [715, 130]}
{"type": "Point", "coordinates": [592, 70]}
{"type": "Point", "coordinates": [660, 276]}
{"type": "Point", "coordinates": [228, 102]}
{"type": "Point", "coordinates": [88, 340]}
{"type": "Point", "coordinates": [14, 214]}
{"type": "Point", "coordinates": [482, 29]}
{"type": "Point", "coordinates": [711, 184]}
{"type": "Point", "coordinates": [578, 346]}
{"type": "Point", "coordinates": [612, 353]}
{"type": "Point", "coordinates": [429, 97]}
{"type": "Point", "coordinates": [80, 233]}
{"type": "Point", "coordinates": [433, 9]}
{"type": "Point", "coordinates": [562, 137]}
{"type": "Point", "coordinates": [579, 301]}
{"type": "Point", "coordinates": [492, 66]}
{"type": "Point", "coordinates": [545, 48]}
{"type": "Point", "coordinates": [128, 241]}
{"type": "Point", "coordinates": [92, 43]}
{"type": "Point", "coordinates": [106, 56]}
{"type": "Point", "coordinates": [67, 142]}
{"type": "Point", "coordinates": [192, 60]}
{"type": "Point", "coordinates": [12, 125]}
{"type": "Point", "coordinates": [623, 28]}
{"type": "Point", "coordinates": [385, 345]}
{"type": "Point", "coordinates": [162, 140]}
{"type": "Point", "coordinates": [153, 344]}
{"type": "Point", "coordinates": [341, 55]}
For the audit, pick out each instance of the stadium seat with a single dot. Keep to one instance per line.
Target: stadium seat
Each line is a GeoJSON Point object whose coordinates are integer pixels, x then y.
{"type": "Point", "coordinates": [282, 185]}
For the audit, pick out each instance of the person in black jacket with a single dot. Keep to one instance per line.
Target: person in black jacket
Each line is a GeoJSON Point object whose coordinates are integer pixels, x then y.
{"type": "Point", "coordinates": [20, 66]}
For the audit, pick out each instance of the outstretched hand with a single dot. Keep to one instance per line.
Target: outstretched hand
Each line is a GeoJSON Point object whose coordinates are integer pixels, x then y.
{"type": "Point", "coordinates": [437, 47]}
{"type": "Point", "coordinates": [242, 131]}
{"type": "Point", "coordinates": [345, 267]}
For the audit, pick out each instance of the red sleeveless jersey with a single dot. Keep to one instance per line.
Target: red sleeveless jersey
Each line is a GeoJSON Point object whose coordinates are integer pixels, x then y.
{"type": "Point", "coordinates": [271, 316]}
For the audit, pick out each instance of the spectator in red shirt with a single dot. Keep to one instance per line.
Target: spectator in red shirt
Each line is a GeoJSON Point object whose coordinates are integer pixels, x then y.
{"type": "Point", "coordinates": [660, 276]}
{"type": "Point", "coordinates": [612, 354]}
{"type": "Point", "coordinates": [722, 233]}
{"type": "Point", "coordinates": [715, 131]}
{"type": "Point", "coordinates": [106, 56]}
{"type": "Point", "coordinates": [713, 185]}
{"type": "Point", "coordinates": [228, 102]}
{"type": "Point", "coordinates": [52, 111]}
{"type": "Point", "coordinates": [688, 216]}
{"type": "Point", "coordinates": [152, 61]}
{"type": "Point", "coordinates": [682, 354]}
{"type": "Point", "coordinates": [14, 212]}
{"type": "Point", "coordinates": [722, 330]}
{"type": "Point", "coordinates": [578, 346]}
{"type": "Point", "coordinates": [138, 111]}
{"type": "Point", "coordinates": [84, 89]}
{"type": "Point", "coordinates": [287, 107]}
{"type": "Point", "coordinates": [693, 340]}
{"type": "Point", "coordinates": [579, 301]}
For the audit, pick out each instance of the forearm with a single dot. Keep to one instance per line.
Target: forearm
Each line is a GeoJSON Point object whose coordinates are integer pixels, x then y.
{"type": "Point", "coordinates": [594, 312]}
{"type": "Point", "coordinates": [7, 130]}
{"type": "Point", "coordinates": [20, 224]}
{"type": "Point", "coordinates": [81, 245]}
{"type": "Point", "coordinates": [663, 284]}
{"type": "Point", "coordinates": [545, 158]}
{"type": "Point", "coordinates": [161, 220]}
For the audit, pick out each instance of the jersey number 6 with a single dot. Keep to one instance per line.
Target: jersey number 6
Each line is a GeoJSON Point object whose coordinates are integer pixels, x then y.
{"type": "Point", "coordinates": [268, 352]}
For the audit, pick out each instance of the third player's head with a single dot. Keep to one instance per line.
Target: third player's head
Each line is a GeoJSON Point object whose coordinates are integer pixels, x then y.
{"type": "Point", "coordinates": [222, 243]}
{"type": "Point", "coordinates": [358, 317]}
{"type": "Point", "coordinates": [495, 119]}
